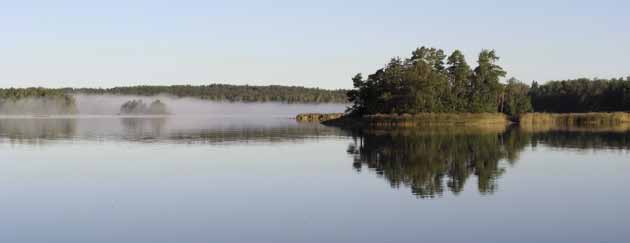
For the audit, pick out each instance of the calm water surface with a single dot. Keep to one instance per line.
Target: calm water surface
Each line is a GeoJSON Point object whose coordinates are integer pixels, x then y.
{"type": "Point", "coordinates": [266, 178]}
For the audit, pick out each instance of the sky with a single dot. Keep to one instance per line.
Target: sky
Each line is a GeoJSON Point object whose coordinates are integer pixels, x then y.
{"type": "Point", "coordinates": [78, 43]}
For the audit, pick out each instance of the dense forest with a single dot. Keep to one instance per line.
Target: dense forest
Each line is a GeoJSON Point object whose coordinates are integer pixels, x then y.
{"type": "Point", "coordinates": [232, 93]}
{"type": "Point", "coordinates": [430, 81]}
{"type": "Point", "coordinates": [581, 95]}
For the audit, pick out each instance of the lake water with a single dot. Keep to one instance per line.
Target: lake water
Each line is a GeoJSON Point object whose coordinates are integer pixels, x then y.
{"type": "Point", "coordinates": [262, 177]}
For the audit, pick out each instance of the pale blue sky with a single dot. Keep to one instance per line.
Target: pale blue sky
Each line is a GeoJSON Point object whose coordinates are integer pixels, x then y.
{"type": "Point", "coordinates": [307, 43]}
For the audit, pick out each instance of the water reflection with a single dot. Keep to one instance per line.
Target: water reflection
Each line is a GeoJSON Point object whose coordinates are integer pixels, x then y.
{"type": "Point", "coordinates": [36, 131]}
{"type": "Point", "coordinates": [199, 129]}
{"type": "Point", "coordinates": [593, 138]}
{"type": "Point", "coordinates": [140, 128]}
{"type": "Point", "coordinates": [431, 161]}
{"type": "Point", "coordinates": [428, 161]}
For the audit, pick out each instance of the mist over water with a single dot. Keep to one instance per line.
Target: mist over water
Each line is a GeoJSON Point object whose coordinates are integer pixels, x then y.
{"type": "Point", "coordinates": [189, 120]}
{"type": "Point", "coordinates": [214, 168]}
{"type": "Point", "coordinates": [35, 106]}
{"type": "Point", "coordinates": [110, 105]}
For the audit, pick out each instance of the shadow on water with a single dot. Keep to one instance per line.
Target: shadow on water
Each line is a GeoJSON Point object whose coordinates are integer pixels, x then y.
{"type": "Point", "coordinates": [432, 161]}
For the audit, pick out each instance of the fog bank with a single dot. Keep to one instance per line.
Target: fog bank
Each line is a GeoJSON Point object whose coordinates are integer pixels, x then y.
{"type": "Point", "coordinates": [37, 106]}
{"type": "Point", "coordinates": [110, 105]}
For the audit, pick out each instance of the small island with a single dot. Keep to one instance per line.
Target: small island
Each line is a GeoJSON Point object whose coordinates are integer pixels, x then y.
{"type": "Point", "coordinates": [138, 107]}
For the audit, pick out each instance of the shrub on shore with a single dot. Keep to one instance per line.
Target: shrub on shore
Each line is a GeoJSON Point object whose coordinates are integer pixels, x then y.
{"type": "Point", "coordinates": [574, 119]}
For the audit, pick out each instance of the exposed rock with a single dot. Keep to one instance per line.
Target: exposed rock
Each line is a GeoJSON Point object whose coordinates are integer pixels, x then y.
{"type": "Point", "coordinates": [317, 117]}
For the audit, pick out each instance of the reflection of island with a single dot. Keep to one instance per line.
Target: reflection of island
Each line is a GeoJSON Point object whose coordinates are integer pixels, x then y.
{"type": "Point", "coordinates": [158, 129]}
{"type": "Point", "coordinates": [35, 130]}
{"type": "Point", "coordinates": [427, 162]}
{"type": "Point", "coordinates": [138, 107]}
{"type": "Point", "coordinates": [136, 128]}
{"type": "Point", "coordinates": [431, 161]}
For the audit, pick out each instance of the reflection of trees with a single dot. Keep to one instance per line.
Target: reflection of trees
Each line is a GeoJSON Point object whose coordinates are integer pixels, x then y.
{"type": "Point", "coordinates": [278, 134]}
{"type": "Point", "coordinates": [34, 130]}
{"type": "Point", "coordinates": [143, 127]}
{"type": "Point", "coordinates": [155, 129]}
{"type": "Point", "coordinates": [583, 139]}
{"type": "Point", "coordinates": [431, 161]}
{"type": "Point", "coordinates": [427, 162]}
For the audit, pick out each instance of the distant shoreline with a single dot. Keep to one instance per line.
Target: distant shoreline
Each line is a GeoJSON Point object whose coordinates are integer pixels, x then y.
{"type": "Point", "coordinates": [212, 92]}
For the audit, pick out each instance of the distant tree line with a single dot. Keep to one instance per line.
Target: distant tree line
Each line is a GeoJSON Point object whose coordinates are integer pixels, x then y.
{"type": "Point", "coordinates": [431, 81]}
{"type": "Point", "coordinates": [38, 101]}
{"type": "Point", "coordinates": [231, 93]}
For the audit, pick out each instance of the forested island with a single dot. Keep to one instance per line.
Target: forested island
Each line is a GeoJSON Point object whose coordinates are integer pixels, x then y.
{"type": "Point", "coordinates": [430, 86]}
{"type": "Point", "coordinates": [138, 107]}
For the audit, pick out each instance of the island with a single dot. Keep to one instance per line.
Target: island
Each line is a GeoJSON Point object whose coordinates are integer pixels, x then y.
{"type": "Point", "coordinates": [138, 107]}
{"type": "Point", "coordinates": [430, 88]}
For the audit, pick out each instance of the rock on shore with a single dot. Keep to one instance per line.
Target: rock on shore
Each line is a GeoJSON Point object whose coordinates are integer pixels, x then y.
{"type": "Point", "coordinates": [317, 117]}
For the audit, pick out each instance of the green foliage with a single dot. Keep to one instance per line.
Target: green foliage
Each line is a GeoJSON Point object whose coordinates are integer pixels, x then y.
{"type": "Point", "coordinates": [581, 95]}
{"type": "Point", "coordinates": [459, 74]}
{"type": "Point", "coordinates": [231, 93]}
{"type": "Point", "coordinates": [485, 83]}
{"type": "Point", "coordinates": [515, 99]}
{"type": "Point", "coordinates": [424, 83]}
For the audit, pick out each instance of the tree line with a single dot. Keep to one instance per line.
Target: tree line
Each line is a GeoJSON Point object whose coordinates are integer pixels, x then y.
{"type": "Point", "coordinates": [231, 93]}
{"type": "Point", "coordinates": [38, 101]}
{"type": "Point", "coordinates": [431, 81]}
{"type": "Point", "coordinates": [581, 95]}
{"type": "Point", "coordinates": [46, 101]}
